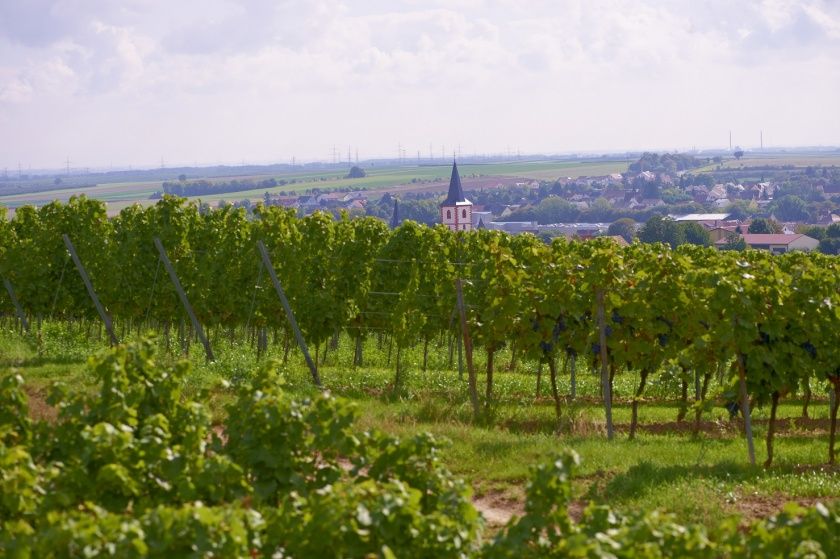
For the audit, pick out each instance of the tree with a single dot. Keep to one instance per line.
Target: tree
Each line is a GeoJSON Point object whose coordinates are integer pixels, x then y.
{"type": "Point", "coordinates": [815, 232]}
{"type": "Point", "coordinates": [739, 153]}
{"type": "Point", "coordinates": [555, 210]}
{"type": "Point", "coordinates": [356, 172]}
{"type": "Point", "coordinates": [764, 226]}
{"type": "Point", "coordinates": [421, 211]}
{"type": "Point", "coordinates": [830, 245]}
{"type": "Point", "coordinates": [791, 208]}
{"type": "Point", "coordinates": [696, 234]}
{"type": "Point", "coordinates": [626, 227]}
{"type": "Point", "coordinates": [738, 210]}
{"type": "Point", "coordinates": [662, 230]}
{"type": "Point", "coordinates": [734, 242]}
{"type": "Point", "coordinates": [651, 190]}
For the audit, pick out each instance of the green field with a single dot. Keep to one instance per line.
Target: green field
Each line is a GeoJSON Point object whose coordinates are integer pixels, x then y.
{"type": "Point", "coordinates": [798, 160]}
{"type": "Point", "coordinates": [119, 195]}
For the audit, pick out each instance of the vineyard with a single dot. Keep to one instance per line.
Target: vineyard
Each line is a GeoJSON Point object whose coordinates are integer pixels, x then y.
{"type": "Point", "coordinates": [586, 323]}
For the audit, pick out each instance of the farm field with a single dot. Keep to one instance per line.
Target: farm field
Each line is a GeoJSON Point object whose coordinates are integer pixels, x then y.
{"type": "Point", "coordinates": [703, 478]}
{"type": "Point", "coordinates": [776, 160]}
{"type": "Point", "coordinates": [391, 178]}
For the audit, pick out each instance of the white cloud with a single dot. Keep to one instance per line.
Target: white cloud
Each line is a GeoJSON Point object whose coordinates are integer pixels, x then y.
{"type": "Point", "coordinates": [230, 79]}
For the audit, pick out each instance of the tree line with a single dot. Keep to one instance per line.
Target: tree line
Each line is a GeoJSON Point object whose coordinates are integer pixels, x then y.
{"type": "Point", "coordinates": [204, 187]}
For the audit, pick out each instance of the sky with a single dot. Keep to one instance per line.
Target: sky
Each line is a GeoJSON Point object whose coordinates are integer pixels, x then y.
{"type": "Point", "coordinates": [137, 82]}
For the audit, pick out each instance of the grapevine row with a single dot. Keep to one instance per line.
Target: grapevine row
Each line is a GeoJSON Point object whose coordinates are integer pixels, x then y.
{"type": "Point", "coordinates": [770, 321]}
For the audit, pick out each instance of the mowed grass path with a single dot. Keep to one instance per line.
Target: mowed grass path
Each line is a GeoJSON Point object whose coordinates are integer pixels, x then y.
{"type": "Point", "coordinates": [703, 478]}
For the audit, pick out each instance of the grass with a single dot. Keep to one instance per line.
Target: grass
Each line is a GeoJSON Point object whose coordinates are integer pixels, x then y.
{"type": "Point", "coordinates": [701, 478]}
{"type": "Point", "coordinates": [120, 195]}
{"type": "Point", "coordinates": [775, 160]}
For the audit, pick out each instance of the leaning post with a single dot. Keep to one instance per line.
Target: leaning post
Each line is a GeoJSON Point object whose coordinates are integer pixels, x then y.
{"type": "Point", "coordinates": [18, 309]}
{"type": "Point", "coordinates": [103, 314]}
{"type": "Point", "coordinates": [289, 314]}
{"type": "Point", "coordinates": [184, 301]}
{"type": "Point", "coordinates": [605, 375]}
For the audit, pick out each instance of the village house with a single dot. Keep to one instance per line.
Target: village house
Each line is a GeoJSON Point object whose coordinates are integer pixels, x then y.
{"type": "Point", "coordinates": [776, 243]}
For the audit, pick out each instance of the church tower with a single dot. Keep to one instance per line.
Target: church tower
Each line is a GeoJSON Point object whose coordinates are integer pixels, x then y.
{"type": "Point", "coordinates": [456, 210]}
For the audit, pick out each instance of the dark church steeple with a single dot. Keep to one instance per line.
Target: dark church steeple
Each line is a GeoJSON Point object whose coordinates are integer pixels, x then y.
{"type": "Point", "coordinates": [395, 217]}
{"type": "Point", "coordinates": [456, 192]}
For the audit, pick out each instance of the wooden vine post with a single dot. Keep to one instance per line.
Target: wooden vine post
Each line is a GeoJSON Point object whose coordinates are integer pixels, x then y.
{"type": "Point", "coordinates": [468, 349]}
{"type": "Point", "coordinates": [289, 314]}
{"type": "Point", "coordinates": [605, 374]}
{"type": "Point", "coordinates": [18, 309]}
{"type": "Point", "coordinates": [184, 300]}
{"type": "Point", "coordinates": [106, 320]}
{"type": "Point", "coordinates": [745, 407]}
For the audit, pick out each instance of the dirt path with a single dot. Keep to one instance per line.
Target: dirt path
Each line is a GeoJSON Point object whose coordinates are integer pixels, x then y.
{"type": "Point", "coordinates": [39, 409]}
{"type": "Point", "coordinates": [497, 510]}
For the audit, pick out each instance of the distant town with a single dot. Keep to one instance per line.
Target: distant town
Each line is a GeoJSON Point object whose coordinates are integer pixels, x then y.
{"type": "Point", "coordinates": [773, 200]}
{"type": "Point", "coordinates": [659, 199]}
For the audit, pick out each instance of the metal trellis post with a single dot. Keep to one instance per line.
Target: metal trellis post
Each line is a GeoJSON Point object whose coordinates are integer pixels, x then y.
{"type": "Point", "coordinates": [16, 303]}
{"type": "Point", "coordinates": [103, 314]}
{"type": "Point", "coordinates": [184, 301]}
{"type": "Point", "coordinates": [289, 314]}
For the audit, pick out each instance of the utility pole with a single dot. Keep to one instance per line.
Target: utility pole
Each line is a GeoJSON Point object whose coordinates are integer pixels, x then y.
{"type": "Point", "coordinates": [399, 153]}
{"type": "Point", "coordinates": [431, 155]}
{"type": "Point", "coordinates": [357, 156]}
{"type": "Point", "coordinates": [334, 154]}
{"type": "Point", "coordinates": [68, 165]}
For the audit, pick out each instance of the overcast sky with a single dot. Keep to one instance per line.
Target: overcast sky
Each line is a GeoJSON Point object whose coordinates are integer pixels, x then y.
{"type": "Point", "coordinates": [134, 81]}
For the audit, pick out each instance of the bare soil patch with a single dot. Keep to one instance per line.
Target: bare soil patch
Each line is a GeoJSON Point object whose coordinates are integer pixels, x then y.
{"type": "Point", "coordinates": [39, 409]}
{"type": "Point", "coordinates": [498, 508]}
{"type": "Point", "coordinates": [754, 507]}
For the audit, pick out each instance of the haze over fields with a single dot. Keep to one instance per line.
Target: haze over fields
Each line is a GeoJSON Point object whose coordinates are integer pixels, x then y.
{"type": "Point", "coordinates": [138, 81]}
